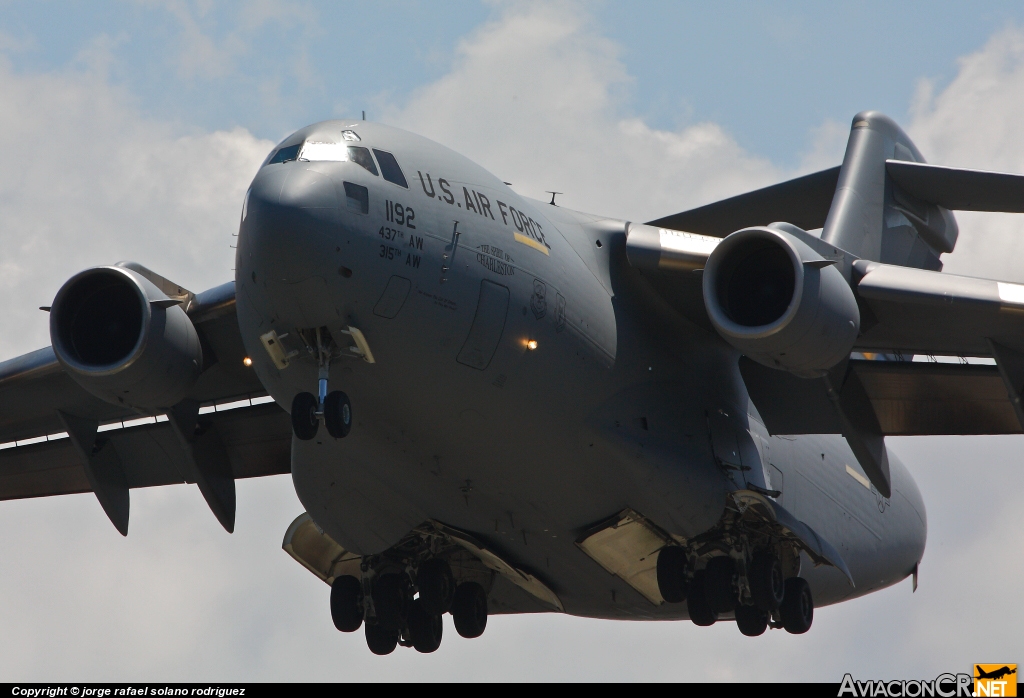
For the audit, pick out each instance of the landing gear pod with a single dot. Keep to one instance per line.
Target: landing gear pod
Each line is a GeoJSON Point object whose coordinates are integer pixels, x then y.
{"type": "Point", "coordinates": [122, 339]}
{"type": "Point", "coordinates": [779, 302]}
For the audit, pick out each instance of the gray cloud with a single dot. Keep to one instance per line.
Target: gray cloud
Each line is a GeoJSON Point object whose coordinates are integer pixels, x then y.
{"type": "Point", "coordinates": [534, 96]}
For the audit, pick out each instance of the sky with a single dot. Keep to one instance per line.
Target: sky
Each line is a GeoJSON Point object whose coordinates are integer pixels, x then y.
{"type": "Point", "coordinates": [130, 130]}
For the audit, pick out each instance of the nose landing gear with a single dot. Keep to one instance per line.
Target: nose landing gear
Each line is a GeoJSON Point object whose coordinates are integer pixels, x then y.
{"type": "Point", "coordinates": [333, 408]}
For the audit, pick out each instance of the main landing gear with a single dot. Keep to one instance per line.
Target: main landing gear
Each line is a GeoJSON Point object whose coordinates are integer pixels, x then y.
{"type": "Point", "coordinates": [405, 607]}
{"type": "Point", "coordinates": [751, 586]}
{"type": "Point", "coordinates": [333, 409]}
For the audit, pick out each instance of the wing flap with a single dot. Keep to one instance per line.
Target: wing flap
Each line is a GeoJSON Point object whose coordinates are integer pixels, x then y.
{"type": "Point", "coordinates": [257, 440]}
{"type": "Point", "coordinates": [909, 398]}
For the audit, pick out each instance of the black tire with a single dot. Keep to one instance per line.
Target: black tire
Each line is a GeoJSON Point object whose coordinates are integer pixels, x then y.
{"type": "Point", "coordinates": [381, 640]}
{"type": "Point", "coordinates": [697, 606]}
{"type": "Point", "coordinates": [469, 610]}
{"type": "Point", "coordinates": [337, 414]}
{"type": "Point", "coordinates": [751, 621]}
{"type": "Point", "coordinates": [767, 583]}
{"type": "Point", "coordinates": [672, 574]}
{"type": "Point", "coordinates": [346, 611]}
{"type": "Point", "coordinates": [425, 628]}
{"type": "Point", "coordinates": [797, 609]}
{"type": "Point", "coordinates": [718, 584]}
{"type": "Point", "coordinates": [436, 586]}
{"type": "Point", "coordinates": [390, 600]}
{"type": "Point", "coordinates": [304, 419]}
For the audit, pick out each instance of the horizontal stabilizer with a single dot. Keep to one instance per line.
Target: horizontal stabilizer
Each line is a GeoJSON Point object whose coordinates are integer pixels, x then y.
{"type": "Point", "coordinates": [959, 190]}
{"type": "Point", "coordinates": [803, 201]}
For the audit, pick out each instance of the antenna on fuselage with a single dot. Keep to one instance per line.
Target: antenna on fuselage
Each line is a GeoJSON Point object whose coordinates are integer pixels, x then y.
{"type": "Point", "coordinates": [364, 115]}
{"type": "Point", "coordinates": [447, 260]}
{"type": "Point", "coordinates": [552, 202]}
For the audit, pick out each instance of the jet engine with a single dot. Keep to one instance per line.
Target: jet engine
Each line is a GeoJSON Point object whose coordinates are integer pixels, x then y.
{"type": "Point", "coordinates": [123, 340]}
{"type": "Point", "coordinates": [779, 302]}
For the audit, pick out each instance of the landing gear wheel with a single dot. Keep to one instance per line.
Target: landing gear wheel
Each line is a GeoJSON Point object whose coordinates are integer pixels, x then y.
{"type": "Point", "coordinates": [381, 640]}
{"type": "Point", "coordinates": [424, 627]}
{"type": "Point", "coordinates": [672, 574]}
{"type": "Point", "coordinates": [469, 610]}
{"type": "Point", "coordinates": [346, 611]}
{"type": "Point", "coordinates": [751, 620]}
{"type": "Point", "coordinates": [436, 585]}
{"type": "Point", "coordinates": [337, 414]}
{"type": "Point", "coordinates": [390, 600]}
{"type": "Point", "coordinates": [697, 605]}
{"type": "Point", "coordinates": [718, 584]}
{"type": "Point", "coordinates": [797, 609]}
{"type": "Point", "coordinates": [767, 584]}
{"type": "Point", "coordinates": [304, 420]}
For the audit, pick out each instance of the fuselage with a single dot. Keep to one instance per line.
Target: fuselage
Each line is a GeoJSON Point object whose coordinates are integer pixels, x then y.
{"type": "Point", "coordinates": [527, 382]}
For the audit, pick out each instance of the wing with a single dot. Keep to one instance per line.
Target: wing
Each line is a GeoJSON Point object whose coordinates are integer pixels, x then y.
{"type": "Point", "coordinates": [804, 202]}
{"type": "Point", "coordinates": [251, 435]}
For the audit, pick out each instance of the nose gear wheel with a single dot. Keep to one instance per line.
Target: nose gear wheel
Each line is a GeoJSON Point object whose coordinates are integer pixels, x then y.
{"type": "Point", "coordinates": [337, 414]}
{"type": "Point", "coordinates": [304, 418]}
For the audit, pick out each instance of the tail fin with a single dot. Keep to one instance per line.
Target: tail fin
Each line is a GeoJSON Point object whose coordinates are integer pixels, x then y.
{"type": "Point", "coordinates": [884, 204]}
{"type": "Point", "coordinates": [875, 218]}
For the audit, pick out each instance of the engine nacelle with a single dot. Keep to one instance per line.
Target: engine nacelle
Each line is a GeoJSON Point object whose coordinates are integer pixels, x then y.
{"type": "Point", "coordinates": [122, 339]}
{"type": "Point", "coordinates": [779, 302]}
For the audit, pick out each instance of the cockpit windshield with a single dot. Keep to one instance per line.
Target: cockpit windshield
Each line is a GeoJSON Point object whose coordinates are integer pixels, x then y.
{"type": "Point", "coordinates": [361, 156]}
{"type": "Point", "coordinates": [316, 151]}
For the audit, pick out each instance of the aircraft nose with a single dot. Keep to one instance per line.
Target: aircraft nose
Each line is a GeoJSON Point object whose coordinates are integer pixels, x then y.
{"type": "Point", "coordinates": [290, 222]}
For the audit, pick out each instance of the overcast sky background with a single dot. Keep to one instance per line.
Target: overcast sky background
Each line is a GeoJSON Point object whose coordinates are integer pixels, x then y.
{"type": "Point", "coordinates": [131, 131]}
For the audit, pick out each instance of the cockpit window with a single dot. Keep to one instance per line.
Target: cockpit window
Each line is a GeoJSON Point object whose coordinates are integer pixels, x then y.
{"type": "Point", "coordinates": [286, 154]}
{"type": "Point", "coordinates": [390, 169]}
{"type": "Point", "coordinates": [357, 198]}
{"type": "Point", "coordinates": [361, 156]}
{"type": "Point", "coordinates": [319, 151]}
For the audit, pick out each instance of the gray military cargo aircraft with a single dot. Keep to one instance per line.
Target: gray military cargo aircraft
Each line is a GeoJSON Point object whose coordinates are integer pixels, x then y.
{"type": "Point", "coordinates": [490, 404]}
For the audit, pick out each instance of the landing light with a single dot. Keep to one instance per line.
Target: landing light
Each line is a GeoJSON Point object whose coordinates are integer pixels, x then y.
{"type": "Point", "coordinates": [247, 361]}
{"type": "Point", "coordinates": [532, 344]}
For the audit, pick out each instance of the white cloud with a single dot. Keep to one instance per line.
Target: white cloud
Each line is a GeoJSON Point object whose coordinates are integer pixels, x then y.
{"type": "Point", "coordinates": [88, 181]}
{"type": "Point", "coordinates": [976, 122]}
{"type": "Point", "coordinates": [534, 96]}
